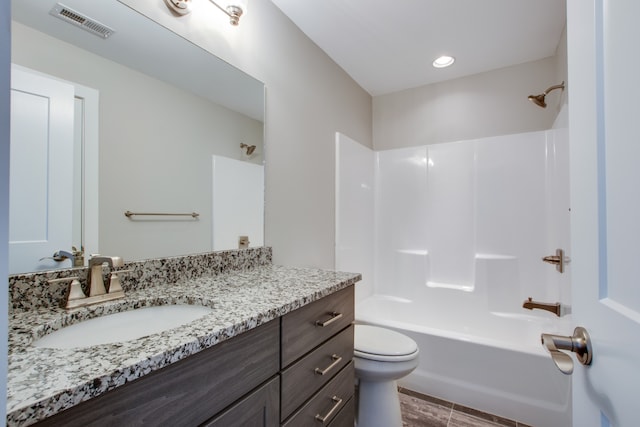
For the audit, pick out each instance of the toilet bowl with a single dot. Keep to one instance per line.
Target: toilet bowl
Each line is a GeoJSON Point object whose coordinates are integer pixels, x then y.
{"type": "Point", "coordinates": [381, 356]}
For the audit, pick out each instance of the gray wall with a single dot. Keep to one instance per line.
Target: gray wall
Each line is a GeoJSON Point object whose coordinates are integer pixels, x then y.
{"type": "Point", "coordinates": [5, 85]}
{"type": "Point", "coordinates": [308, 99]}
{"type": "Point", "coordinates": [487, 104]}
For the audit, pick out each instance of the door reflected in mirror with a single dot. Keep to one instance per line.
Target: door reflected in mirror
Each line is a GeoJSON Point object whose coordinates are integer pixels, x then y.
{"type": "Point", "coordinates": [164, 110]}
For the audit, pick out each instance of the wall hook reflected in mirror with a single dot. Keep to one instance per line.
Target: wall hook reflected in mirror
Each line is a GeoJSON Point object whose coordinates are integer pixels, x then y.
{"type": "Point", "coordinates": [247, 150]}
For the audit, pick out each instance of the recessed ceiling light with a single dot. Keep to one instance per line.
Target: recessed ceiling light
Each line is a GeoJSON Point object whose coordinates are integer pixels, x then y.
{"type": "Point", "coordinates": [444, 61]}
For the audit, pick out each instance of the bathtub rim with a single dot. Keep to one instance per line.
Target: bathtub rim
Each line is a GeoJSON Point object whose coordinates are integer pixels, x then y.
{"type": "Point", "coordinates": [558, 325]}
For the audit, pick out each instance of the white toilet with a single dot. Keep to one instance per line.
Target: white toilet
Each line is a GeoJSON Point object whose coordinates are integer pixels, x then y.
{"type": "Point", "coordinates": [381, 356]}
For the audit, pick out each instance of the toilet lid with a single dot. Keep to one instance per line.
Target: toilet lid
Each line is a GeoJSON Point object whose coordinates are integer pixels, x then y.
{"type": "Point", "coordinates": [372, 342]}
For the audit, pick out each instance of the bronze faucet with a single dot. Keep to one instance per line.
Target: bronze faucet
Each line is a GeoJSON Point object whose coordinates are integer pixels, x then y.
{"type": "Point", "coordinates": [530, 304]}
{"type": "Point", "coordinates": [95, 283]}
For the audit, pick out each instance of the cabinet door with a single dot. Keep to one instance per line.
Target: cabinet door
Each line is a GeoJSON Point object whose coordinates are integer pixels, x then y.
{"type": "Point", "coordinates": [258, 409]}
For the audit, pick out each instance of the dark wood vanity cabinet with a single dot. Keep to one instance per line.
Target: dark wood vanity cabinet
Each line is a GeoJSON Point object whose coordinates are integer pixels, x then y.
{"type": "Point", "coordinates": [188, 392]}
{"type": "Point", "coordinates": [317, 367]}
{"type": "Point", "coordinates": [290, 372]}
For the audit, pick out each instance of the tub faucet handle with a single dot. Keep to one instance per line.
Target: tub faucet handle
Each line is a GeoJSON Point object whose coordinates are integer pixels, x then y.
{"type": "Point", "coordinates": [559, 260]}
{"type": "Point", "coordinates": [579, 343]}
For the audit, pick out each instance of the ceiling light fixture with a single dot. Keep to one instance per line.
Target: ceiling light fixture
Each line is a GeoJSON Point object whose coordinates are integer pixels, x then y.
{"type": "Point", "coordinates": [443, 61]}
{"type": "Point", "coordinates": [232, 8]}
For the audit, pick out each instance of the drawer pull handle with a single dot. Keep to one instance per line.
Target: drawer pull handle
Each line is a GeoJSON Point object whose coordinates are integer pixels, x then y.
{"type": "Point", "coordinates": [336, 360]}
{"type": "Point", "coordinates": [334, 316]}
{"type": "Point", "coordinates": [331, 411]}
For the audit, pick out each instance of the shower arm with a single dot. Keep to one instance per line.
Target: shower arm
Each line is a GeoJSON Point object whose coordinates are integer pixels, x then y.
{"type": "Point", "coordinates": [560, 86]}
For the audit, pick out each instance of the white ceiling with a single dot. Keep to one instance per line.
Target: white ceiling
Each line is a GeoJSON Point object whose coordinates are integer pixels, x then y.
{"type": "Point", "coordinates": [389, 45]}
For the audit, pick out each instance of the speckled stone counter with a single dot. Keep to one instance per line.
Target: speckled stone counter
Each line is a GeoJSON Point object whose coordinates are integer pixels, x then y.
{"type": "Point", "coordinates": [43, 381]}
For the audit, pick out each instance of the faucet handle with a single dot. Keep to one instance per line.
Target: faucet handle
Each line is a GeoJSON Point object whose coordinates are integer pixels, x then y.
{"type": "Point", "coordinates": [116, 261]}
{"type": "Point", "coordinates": [559, 260]}
{"type": "Point", "coordinates": [78, 256]}
{"type": "Point", "coordinates": [75, 289]}
{"type": "Point", "coordinates": [115, 285]}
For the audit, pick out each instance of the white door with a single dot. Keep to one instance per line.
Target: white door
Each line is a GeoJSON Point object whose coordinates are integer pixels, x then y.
{"type": "Point", "coordinates": [604, 118]}
{"type": "Point", "coordinates": [41, 177]}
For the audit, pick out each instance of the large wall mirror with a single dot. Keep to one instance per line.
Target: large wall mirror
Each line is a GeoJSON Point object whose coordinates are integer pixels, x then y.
{"type": "Point", "coordinates": [152, 116]}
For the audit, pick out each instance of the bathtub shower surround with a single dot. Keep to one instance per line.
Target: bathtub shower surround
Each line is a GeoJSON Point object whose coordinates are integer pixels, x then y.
{"type": "Point", "coordinates": [457, 208]}
{"type": "Point", "coordinates": [355, 184]}
{"type": "Point", "coordinates": [460, 232]}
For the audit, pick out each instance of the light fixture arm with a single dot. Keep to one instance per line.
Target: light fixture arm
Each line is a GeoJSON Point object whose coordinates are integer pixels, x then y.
{"type": "Point", "coordinates": [233, 12]}
{"type": "Point", "coordinates": [183, 7]}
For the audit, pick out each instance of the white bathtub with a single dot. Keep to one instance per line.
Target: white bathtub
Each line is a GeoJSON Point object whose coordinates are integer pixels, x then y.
{"type": "Point", "coordinates": [455, 232]}
{"type": "Point", "coordinates": [486, 360]}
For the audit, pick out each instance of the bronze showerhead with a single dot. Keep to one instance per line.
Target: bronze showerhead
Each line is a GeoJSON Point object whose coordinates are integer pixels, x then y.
{"type": "Point", "coordinates": [539, 99]}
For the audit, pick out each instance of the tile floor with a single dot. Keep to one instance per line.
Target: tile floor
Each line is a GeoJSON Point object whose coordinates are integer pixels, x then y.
{"type": "Point", "coordinates": [419, 410]}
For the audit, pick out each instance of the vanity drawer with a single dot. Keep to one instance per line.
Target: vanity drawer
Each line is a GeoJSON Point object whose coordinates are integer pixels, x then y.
{"type": "Point", "coordinates": [309, 326]}
{"type": "Point", "coordinates": [346, 416]}
{"type": "Point", "coordinates": [303, 378]}
{"type": "Point", "coordinates": [328, 402]}
{"type": "Point", "coordinates": [188, 392]}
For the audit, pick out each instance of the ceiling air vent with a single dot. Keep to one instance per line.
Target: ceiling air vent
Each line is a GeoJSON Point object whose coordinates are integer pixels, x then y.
{"type": "Point", "coordinates": [78, 19]}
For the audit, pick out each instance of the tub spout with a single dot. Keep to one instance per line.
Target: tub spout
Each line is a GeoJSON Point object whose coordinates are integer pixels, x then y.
{"type": "Point", "coordinates": [554, 308]}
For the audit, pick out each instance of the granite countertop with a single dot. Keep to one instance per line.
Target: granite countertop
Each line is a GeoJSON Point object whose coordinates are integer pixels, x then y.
{"type": "Point", "coordinates": [42, 381]}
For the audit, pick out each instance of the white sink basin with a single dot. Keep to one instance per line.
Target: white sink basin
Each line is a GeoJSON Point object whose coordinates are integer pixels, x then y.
{"type": "Point", "coordinates": [123, 326]}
